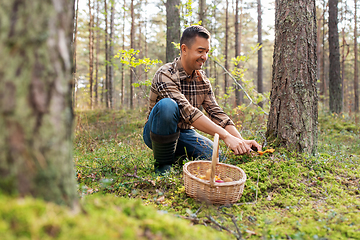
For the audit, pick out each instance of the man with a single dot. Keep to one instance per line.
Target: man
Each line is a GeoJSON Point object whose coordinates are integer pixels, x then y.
{"type": "Point", "coordinates": [178, 90]}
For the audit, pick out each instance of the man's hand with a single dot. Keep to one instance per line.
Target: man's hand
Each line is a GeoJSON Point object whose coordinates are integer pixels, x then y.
{"type": "Point", "coordinates": [240, 146]}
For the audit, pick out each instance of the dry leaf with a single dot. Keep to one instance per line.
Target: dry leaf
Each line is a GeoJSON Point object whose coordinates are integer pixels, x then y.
{"type": "Point", "coordinates": [250, 232]}
{"type": "Point", "coordinates": [160, 199]}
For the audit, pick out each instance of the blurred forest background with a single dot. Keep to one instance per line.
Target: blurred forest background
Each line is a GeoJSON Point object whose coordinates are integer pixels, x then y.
{"type": "Point", "coordinates": [242, 38]}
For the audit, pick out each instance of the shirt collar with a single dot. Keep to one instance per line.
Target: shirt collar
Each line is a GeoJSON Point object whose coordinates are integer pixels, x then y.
{"type": "Point", "coordinates": [182, 74]}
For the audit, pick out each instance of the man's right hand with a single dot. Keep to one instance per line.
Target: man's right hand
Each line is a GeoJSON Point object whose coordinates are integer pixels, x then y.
{"type": "Point", "coordinates": [240, 146]}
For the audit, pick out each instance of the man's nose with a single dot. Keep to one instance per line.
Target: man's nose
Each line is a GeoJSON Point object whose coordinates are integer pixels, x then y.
{"type": "Point", "coordinates": [204, 56]}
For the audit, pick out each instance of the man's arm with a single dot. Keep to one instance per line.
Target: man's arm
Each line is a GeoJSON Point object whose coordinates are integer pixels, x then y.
{"type": "Point", "coordinates": [229, 135]}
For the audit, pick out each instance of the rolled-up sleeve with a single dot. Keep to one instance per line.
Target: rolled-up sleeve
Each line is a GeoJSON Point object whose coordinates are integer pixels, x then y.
{"type": "Point", "coordinates": [216, 114]}
{"type": "Point", "coordinates": [164, 87]}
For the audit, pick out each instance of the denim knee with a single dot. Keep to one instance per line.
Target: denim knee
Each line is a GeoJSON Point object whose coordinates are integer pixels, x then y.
{"type": "Point", "coordinates": [169, 110]}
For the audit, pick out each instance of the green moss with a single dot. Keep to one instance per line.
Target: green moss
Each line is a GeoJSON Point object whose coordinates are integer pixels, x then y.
{"type": "Point", "coordinates": [102, 217]}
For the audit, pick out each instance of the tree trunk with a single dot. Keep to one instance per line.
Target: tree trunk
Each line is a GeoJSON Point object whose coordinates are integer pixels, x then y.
{"type": "Point", "coordinates": [111, 56]}
{"type": "Point", "coordinates": [293, 115]}
{"type": "Point", "coordinates": [319, 59]}
{"type": "Point", "coordinates": [172, 28]}
{"type": "Point", "coordinates": [335, 96]}
{"type": "Point", "coordinates": [202, 19]}
{"type": "Point", "coordinates": [238, 92]}
{"type": "Point", "coordinates": [106, 90]}
{"type": "Point", "coordinates": [96, 84]}
{"type": "Point", "coordinates": [74, 84]}
{"type": "Point", "coordinates": [343, 57]}
{"type": "Point", "coordinates": [226, 84]}
{"type": "Point", "coordinates": [323, 87]}
{"type": "Point", "coordinates": [35, 100]}
{"type": "Point", "coordinates": [91, 53]}
{"type": "Point", "coordinates": [132, 42]}
{"type": "Point", "coordinates": [123, 65]}
{"type": "Point", "coordinates": [260, 67]}
{"type": "Point", "coordinates": [214, 31]}
{"type": "Point", "coordinates": [356, 80]}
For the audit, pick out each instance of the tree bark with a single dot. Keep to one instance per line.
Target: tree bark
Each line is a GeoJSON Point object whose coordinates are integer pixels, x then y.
{"type": "Point", "coordinates": [172, 28]}
{"type": "Point", "coordinates": [335, 95]}
{"type": "Point", "coordinates": [293, 115]}
{"type": "Point", "coordinates": [260, 62]}
{"type": "Point", "coordinates": [35, 100]}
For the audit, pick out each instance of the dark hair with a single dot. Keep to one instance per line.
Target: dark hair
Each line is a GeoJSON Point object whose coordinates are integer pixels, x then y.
{"type": "Point", "coordinates": [190, 33]}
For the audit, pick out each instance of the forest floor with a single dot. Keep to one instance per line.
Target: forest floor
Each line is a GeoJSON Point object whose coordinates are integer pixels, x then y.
{"type": "Point", "coordinates": [286, 196]}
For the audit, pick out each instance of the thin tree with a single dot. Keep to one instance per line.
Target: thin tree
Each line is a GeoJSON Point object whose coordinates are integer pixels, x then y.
{"type": "Point", "coordinates": [132, 43]}
{"type": "Point", "coordinates": [214, 32]}
{"type": "Point", "coordinates": [36, 125]}
{"type": "Point", "coordinates": [356, 80]}
{"type": "Point", "coordinates": [335, 95]}
{"type": "Point", "coordinates": [74, 85]}
{"type": "Point", "coordinates": [293, 114]}
{"type": "Point", "coordinates": [111, 55]}
{"type": "Point", "coordinates": [202, 19]}
{"type": "Point", "coordinates": [238, 93]}
{"type": "Point", "coordinates": [106, 85]}
{"type": "Point", "coordinates": [172, 28]}
{"type": "Point", "coordinates": [226, 84]}
{"type": "Point", "coordinates": [343, 55]}
{"type": "Point", "coordinates": [322, 76]}
{"type": "Point", "coordinates": [97, 47]}
{"type": "Point", "coordinates": [123, 65]}
{"type": "Point", "coordinates": [260, 60]}
{"type": "Point", "coordinates": [319, 50]}
{"type": "Point", "coordinates": [91, 53]}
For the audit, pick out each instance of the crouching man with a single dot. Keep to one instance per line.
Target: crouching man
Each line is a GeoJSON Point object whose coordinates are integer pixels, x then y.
{"type": "Point", "coordinates": [178, 91]}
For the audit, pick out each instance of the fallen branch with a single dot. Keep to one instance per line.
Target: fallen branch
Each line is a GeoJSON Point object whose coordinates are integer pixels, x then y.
{"type": "Point", "coordinates": [224, 228]}
{"type": "Point", "coordinates": [134, 175]}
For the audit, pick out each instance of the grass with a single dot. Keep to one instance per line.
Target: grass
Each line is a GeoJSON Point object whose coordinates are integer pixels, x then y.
{"type": "Point", "coordinates": [287, 195]}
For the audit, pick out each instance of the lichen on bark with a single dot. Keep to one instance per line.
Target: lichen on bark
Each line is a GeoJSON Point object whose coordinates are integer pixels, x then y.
{"type": "Point", "coordinates": [35, 105]}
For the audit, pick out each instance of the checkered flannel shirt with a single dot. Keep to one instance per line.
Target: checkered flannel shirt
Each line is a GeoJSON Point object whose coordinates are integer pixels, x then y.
{"type": "Point", "coordinates": [190, 93]}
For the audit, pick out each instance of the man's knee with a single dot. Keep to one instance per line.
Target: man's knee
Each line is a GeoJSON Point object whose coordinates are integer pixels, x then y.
{"type": "Point", "coordinates": [169, 109]}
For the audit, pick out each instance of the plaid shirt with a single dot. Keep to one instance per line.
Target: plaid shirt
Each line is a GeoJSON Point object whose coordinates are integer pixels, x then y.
{"type": "Point", "coordinates": [190, 93]}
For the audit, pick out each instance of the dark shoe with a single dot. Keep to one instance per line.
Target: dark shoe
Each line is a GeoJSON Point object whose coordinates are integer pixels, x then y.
{"type": "Point", "coordinates": [164, 147]}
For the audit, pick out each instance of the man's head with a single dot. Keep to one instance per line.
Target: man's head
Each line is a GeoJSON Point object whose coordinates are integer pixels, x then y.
{"type": "Point", "coordinates": [194, 45]}
{"type": "Point", "coordinates": [190, 33]}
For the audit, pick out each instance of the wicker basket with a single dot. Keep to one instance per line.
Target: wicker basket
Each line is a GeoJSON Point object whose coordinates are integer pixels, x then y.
{"type": "Point", "coordinates": [211, 191]}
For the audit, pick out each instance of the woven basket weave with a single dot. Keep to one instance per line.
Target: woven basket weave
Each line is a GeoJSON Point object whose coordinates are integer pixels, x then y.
{"type": "Point", "coordinates": [211, 191]}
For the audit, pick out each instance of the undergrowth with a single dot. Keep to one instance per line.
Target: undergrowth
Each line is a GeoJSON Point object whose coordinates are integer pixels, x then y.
{"type": "Point", "coordinates": [287, 195]}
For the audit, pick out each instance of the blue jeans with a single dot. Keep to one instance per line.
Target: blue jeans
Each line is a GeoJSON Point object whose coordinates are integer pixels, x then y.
{"type": "Point", "coordinates": [163, 120]}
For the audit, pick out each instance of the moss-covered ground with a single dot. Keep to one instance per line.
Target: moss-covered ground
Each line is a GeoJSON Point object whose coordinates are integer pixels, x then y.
{"type": "Point", "coordinates": [287, 195]}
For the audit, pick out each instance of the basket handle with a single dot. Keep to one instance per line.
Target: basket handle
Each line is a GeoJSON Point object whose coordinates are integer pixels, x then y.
{"type": "Point", "coordinates": [215, 159]}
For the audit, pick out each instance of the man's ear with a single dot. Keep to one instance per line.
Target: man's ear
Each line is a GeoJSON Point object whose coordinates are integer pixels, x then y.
{"type": "Point", "coordinates": [183, 48]}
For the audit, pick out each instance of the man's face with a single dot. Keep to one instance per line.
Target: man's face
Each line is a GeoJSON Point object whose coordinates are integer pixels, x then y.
{"type": "Point", "coordinates": [195, 55]}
